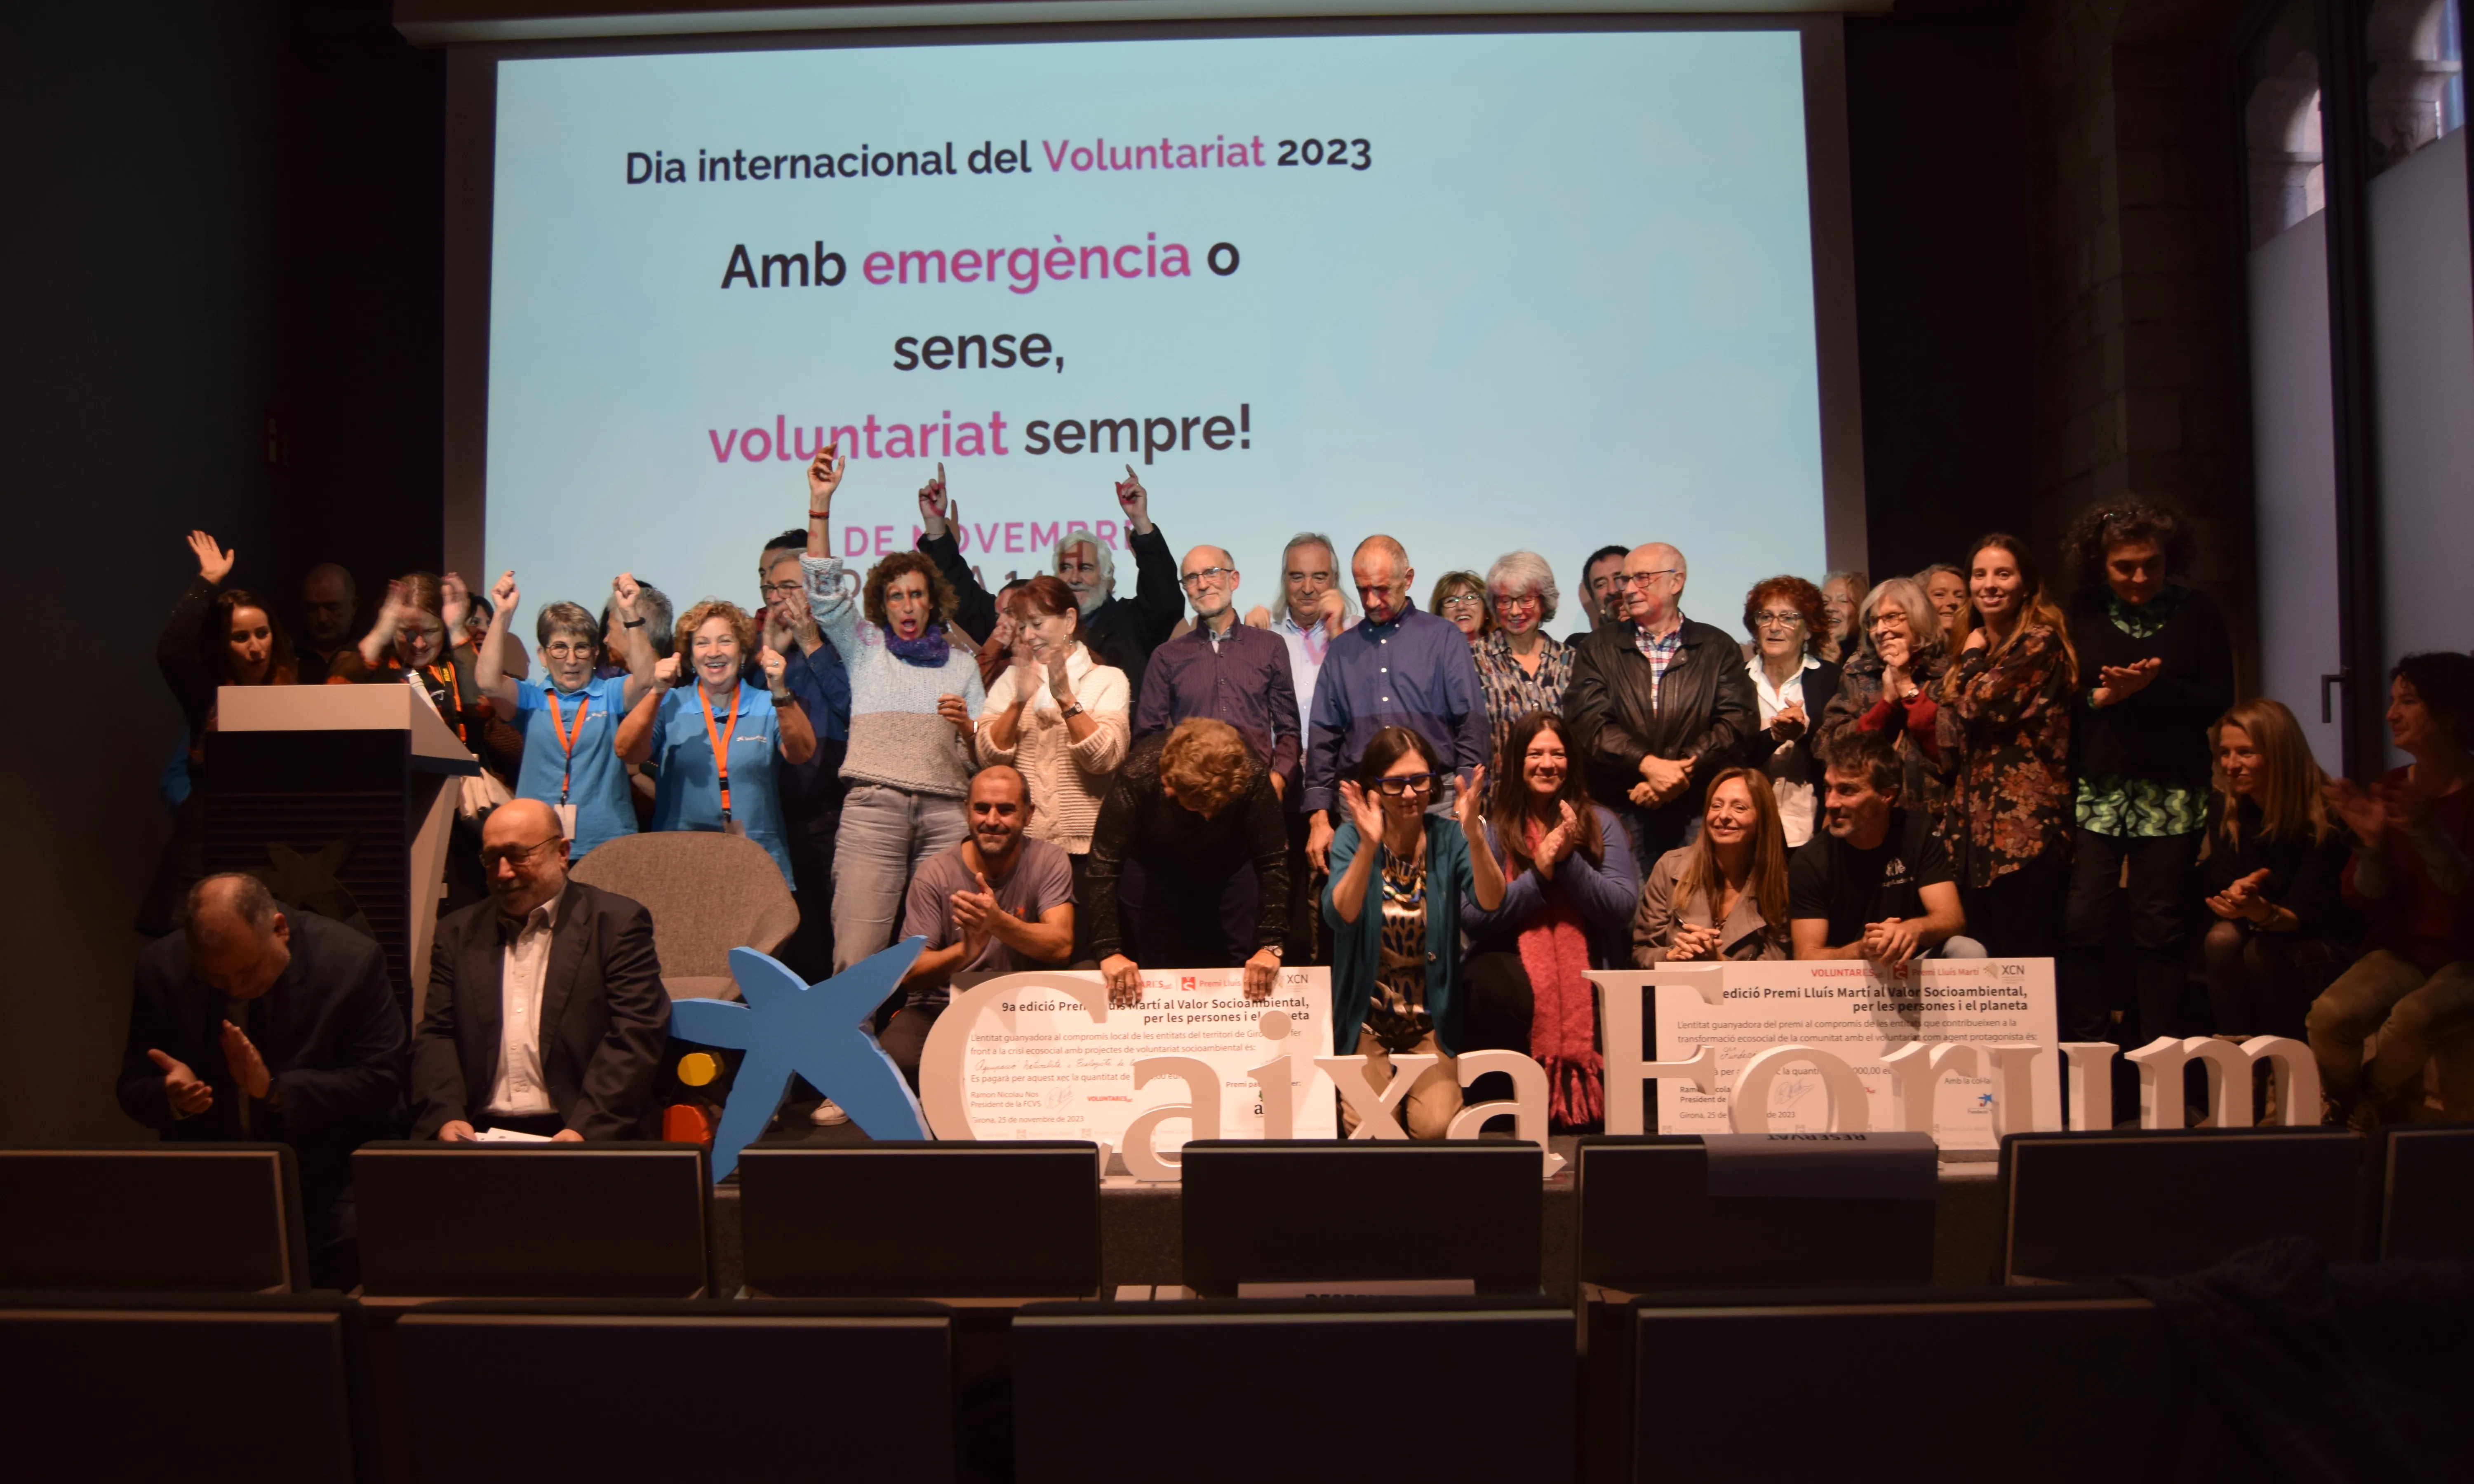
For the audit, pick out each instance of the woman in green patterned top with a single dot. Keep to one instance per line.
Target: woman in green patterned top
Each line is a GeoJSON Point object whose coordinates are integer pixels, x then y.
{"type": "Point", "coordinates": [2155, 671]}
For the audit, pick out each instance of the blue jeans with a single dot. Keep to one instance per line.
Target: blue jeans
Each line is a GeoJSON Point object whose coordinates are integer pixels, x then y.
{"type": "Point", "coordinates": [886, 832]}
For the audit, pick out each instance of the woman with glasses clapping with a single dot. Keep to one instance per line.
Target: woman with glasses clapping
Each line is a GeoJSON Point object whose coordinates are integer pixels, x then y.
{"type": "Point", "coordinates": [1793, 686]}
{"type": "Point", "coordinates": [1393, 900]}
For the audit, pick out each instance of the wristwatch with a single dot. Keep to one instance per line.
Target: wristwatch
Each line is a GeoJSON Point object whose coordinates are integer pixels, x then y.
{"type": "Point", "coordinates": [631, 623]}
{"type": "Point", "coordinates": [1072, 712]}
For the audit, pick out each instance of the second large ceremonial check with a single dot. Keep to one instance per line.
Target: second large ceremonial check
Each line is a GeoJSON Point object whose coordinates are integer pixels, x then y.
{"type": "Point", "coordinates": [1859, 1014]}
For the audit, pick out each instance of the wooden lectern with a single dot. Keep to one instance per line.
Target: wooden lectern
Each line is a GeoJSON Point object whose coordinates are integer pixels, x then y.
{"type": "Point", "coordinates": [342, 799]}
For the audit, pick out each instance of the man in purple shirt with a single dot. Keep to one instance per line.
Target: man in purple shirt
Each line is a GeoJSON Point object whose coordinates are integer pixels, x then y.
{"type": "Point", "coordinates": [1396, 667]}
{"type": "Point", "coordinates": [1225, 670]}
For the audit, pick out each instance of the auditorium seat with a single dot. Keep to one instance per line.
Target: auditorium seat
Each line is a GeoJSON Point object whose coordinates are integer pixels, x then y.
{"type": "Point", "coordinates": [615, 1220]}
{"type": "Point", "coordinates": [1343, 1214]}
{"type": "Point", "coordinates": [148, 1387]}
{"type": "Point", "coordinates": [1245, 1391]}
{"type": "Point", "coordinates": [708, 893]}
{"type": "Point", "coordinates": [2022, 1386]}
{"type": "Point", "coordinates": [534, 1392]}
{"type": "Point", "coordinates": [2082, 1205]}
{"type": "Point", "coordinates": [200, 1218]}
{"type": "Point", "coordinates": [2426, 1191]}
{"type": "Point", "coordinates": [943, 1220]}
{"type": "Point", "coordinates": [1648, 1220]}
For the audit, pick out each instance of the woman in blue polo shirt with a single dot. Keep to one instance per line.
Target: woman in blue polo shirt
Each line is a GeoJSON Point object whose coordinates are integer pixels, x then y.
{"type": "Point", "coordinates": [708, 712]}
{"type": "Point", "coordinates": [570, 762]}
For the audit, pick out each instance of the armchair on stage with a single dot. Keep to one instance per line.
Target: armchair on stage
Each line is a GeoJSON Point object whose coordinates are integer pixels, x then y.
{"type": "Point", "coordinates": [341, 798]}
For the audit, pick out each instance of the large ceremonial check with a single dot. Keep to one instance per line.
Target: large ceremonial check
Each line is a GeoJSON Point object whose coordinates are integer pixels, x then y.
{"type": "Point", "coordinates": [1038, 1065]}
{"type": "Point", "coordinates": [1862, 1014]}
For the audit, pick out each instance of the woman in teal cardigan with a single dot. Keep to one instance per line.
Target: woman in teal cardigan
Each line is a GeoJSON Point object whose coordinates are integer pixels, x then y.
{"type": "Point", "coordinates": [1395, 915]}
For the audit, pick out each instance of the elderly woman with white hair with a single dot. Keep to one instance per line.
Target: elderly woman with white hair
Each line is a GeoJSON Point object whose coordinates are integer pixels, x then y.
{"type": "Point", "coordinates": [1521, 667]}
{"type": "Point", "coordinates": [1888, 683]}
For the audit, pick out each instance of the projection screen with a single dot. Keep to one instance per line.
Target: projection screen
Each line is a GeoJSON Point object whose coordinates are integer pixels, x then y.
{"type": "Point", "coordinates": [1478, 286]}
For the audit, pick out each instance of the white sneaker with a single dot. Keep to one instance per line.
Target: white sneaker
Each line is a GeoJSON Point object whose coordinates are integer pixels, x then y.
{"type": "Point", "coordinates": [827, 1113]}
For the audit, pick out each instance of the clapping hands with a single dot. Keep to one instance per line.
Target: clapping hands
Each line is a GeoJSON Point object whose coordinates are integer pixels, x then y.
{"type": "Point", "coordinates": [974, 914]}
{"type": "Point", "coordinates": [2119, 683]}
{"type": "Point", "coordinates": [1557, 843]}
{"type": "Point", "coordinates": [2242, 900]}
{"type": "Point", "coordinates": [1365, 811]}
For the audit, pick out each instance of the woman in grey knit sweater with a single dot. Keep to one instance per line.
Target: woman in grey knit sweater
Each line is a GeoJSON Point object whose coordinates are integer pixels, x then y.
{"type": "Point", "coordinates": [914, 697]}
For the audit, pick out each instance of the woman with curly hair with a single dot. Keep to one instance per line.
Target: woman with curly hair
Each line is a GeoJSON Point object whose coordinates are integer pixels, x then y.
{"type": "Point", "coordinates": [2158, 671]}
{"type": "Point", "coordinates": [2004, 730]}
{"type": "Point", "coordinates": [713, 737]}
{"type": "Point", "coordinates": [1889, 686]}
{"type": "Point", "coordinates": [915, 698]}
{"type": "Point", "coordinates": [1794, 687]}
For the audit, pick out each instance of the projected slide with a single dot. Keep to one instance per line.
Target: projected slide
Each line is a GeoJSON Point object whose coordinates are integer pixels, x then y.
{"type": "Point", "coordinates": [1480, 292]}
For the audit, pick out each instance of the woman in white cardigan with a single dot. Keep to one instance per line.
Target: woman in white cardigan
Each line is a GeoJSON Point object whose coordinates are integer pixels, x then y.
{"type": "Point", "coordinates": [1060, 717]}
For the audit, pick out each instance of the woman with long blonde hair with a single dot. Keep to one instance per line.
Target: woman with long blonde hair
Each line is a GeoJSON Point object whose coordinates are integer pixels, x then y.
{"type": "Point", "coordinates": [1725, 895]}
{"type": "Point", "coordinates": [2276, 858]}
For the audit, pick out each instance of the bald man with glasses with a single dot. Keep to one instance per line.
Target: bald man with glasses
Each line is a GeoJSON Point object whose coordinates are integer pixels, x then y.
{"type": "Point", "coordinates": [546, 1014]}
{"type": "Point", "coordinates": [1225, 670]}
{"type": "Point", "coordinates": [1658, 704]}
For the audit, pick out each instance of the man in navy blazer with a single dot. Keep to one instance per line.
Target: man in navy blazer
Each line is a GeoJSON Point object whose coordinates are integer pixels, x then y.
{"type": "Point", "coordinates": [545, 1012]}
{"type": "Point", "coordinates": [259, 1024]}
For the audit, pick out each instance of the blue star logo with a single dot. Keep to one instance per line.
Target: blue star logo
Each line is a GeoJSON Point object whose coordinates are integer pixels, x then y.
{"type": "Point", "coordinates": [819, 1030]}
{"type": "Point", "coordinates": [1984, 1100]}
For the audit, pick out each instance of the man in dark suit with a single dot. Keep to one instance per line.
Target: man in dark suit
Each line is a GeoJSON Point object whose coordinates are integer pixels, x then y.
{"type": "Point", "coordinates": [1659, 705]}
{"type": "Point", "coordinates": [257, 1024]}
{"type": "Point", "coordinates": [545, 1012]}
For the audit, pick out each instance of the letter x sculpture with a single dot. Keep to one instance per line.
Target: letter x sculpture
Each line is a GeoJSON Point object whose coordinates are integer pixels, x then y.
{"type": "Point", "coordinates": [820, 1031]}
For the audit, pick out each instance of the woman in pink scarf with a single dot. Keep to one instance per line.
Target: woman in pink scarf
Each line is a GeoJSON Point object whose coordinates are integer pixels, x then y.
{"type": "Point", "coordinates": [1570, 883]}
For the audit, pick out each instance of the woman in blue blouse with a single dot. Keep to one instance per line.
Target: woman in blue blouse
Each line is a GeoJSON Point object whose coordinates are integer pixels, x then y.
{"type": "Point", "coordinates": [569, 722]}
{"type": "Point", "coordinates": [706, 713]}
{"type": "Point", "coordinates": [1393, 905]}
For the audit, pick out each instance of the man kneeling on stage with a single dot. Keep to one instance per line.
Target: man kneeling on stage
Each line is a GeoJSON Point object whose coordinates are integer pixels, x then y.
{"type": "Point", "coordinates": [997, 903]}
{"type": "Point", "coordinates": [545, 1012]}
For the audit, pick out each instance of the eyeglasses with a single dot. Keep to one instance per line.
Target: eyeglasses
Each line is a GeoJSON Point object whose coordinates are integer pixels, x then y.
{"type": "Point", "coordinates": [1888, 621]}
{"type": "Point", "coordinates": [1775, 619]}
{"type": "Point", "coordinates": [1209, 574]}
{"type": "Point", "coordinates": [1398, 783]}
{"type": "Point", "coordinates": [1644, 578]}
{"type": "Point", "coordinates": [497, 855]}
{"type": "Point", "coordinates": [1468, 602]}
{"type": "Point", "coordinates": [781, 589]}
{"type": "Point", "coordinates": [1515, 600]}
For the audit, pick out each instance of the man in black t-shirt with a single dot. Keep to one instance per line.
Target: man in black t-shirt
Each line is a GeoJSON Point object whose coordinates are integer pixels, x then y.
{"type": "Point", "coordinates": [1876, 883]}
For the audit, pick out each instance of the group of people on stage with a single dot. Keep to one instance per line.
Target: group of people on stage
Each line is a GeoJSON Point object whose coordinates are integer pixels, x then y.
{"type": "Point", "coordinates": [1456, 812]}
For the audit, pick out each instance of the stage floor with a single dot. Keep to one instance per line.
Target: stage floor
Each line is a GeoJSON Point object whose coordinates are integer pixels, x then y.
{"type": "Point", "coordinates": [1142, 1240]}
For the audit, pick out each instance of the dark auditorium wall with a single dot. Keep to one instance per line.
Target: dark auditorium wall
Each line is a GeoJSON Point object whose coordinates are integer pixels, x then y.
{"type": "Point", "coordinates": [217, 213]}
{"type": "Point", "coordinates": [1936, 154]}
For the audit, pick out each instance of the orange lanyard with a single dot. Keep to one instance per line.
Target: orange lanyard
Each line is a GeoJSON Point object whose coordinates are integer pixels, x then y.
{"type": "Point", "coordinates": [720, 752]}
{"type": "Point", "coordinates": [567, 738]}
{"type": "Point", "coordinates": [444, 674]}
